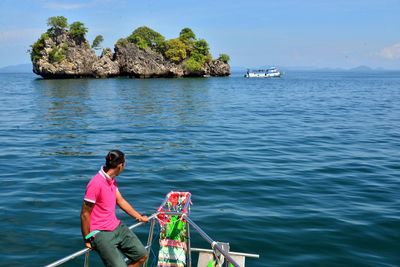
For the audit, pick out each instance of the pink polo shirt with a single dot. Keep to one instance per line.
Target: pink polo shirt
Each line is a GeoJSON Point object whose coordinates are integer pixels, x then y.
{"type": "Point", "coordinates": [101, 191]}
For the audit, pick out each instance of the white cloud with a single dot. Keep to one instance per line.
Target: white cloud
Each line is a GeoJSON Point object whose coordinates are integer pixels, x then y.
{"type": "Point", "coordinates": [391, 52]}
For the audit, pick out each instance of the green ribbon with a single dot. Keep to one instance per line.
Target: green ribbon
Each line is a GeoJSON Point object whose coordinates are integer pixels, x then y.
{"type": "Point", "coordinates": [91, 234]}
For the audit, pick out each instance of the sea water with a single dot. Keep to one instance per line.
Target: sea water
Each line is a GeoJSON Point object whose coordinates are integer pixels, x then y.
{"type": "Point", "coordinates": [303, 170]}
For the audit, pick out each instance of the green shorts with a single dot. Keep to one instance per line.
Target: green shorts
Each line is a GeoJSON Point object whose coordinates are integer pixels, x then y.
{"type": "Point", "coordinates": [112, 246]}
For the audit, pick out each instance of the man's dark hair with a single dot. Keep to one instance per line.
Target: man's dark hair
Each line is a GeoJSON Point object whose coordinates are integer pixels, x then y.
{"type": "Point", "coordinates": [114, 158]}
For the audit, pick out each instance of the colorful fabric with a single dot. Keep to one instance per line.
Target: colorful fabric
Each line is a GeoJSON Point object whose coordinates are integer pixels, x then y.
{"type": "Point", "coordinates": [172, 243]}
{"type": "Point", "coordinates": [170, 264]}
{"type": "Point", "coordinates": [173, 230]}
{"type": "Point", "coordinates": [102, 192]}
{"type": "Point", "coordinates": [172, 255]}
{"type": "Point", "coordinates": [176, 201]}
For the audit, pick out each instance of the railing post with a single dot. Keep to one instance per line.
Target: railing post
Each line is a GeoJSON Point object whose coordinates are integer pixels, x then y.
{"type": "Point", "coordinates": [188, 244]}
{"type": "Point", "coordinates": [150, 239]}
{"type": "Point", "coordinates": [87, 254]}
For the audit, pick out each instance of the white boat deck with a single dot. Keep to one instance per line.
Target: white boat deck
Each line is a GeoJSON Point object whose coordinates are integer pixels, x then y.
{"type": "Point", "coordinates": [268, 73]}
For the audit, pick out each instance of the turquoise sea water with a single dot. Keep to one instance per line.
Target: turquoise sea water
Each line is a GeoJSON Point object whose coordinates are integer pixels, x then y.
{"type": "Point", "coordinates": [303, 170]}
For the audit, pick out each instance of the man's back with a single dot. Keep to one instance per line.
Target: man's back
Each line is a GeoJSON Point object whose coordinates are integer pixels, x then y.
{"type": "Point", "coordinates": [101, 191]}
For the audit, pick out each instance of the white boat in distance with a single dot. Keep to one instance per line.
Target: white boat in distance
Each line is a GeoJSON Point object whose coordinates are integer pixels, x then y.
{"type": "Point", "coordinates": [268, 73]}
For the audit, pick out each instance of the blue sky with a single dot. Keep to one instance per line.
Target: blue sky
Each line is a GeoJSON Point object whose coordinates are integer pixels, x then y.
{"type": "Point", "coordinates": [314, 33]}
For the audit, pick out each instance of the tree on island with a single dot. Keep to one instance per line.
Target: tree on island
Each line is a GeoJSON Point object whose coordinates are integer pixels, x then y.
{"type": "Point", "coordinates": [224, 58]}
{"type": "Point", "coordinates": [57, 24]}
{"type": "Point", "coordinates": [97, 42]}
{"type": "Point", "coordinates": [199, 55]}
{"type": "Point", "coordinates": [145, 37]}
{"type": "Point", "coordinates": [175, 50]}
{"type": "Point", "coordinates": [188, 37]}
{"type": "Point", "coordinates": [78, 30]}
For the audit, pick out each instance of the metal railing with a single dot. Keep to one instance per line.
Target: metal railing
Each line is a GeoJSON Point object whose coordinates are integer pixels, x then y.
{"type": "Point", "coordinates": [87, 250]}
{"type": "Point", "coordinates": [214, 245]}
{"type": "Point", "coordinates": [248, 255]}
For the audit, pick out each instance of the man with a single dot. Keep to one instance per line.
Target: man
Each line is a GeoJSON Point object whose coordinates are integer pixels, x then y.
{"type": "Point", "coordinates": [100, 227]}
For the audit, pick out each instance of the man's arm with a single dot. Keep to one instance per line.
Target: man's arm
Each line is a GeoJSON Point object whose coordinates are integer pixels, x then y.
{"type": "Point", "coordinates": [125, 206]}
{"type": "Point", "coordinates": [87, 208]}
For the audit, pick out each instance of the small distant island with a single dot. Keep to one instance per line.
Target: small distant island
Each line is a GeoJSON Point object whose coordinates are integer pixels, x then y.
{"type": "Point", "coordinates": [64, 52]}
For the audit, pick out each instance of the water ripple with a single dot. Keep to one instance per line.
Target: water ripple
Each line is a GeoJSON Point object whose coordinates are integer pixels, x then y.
{"type": "Point", "coordinates": [301, 170]}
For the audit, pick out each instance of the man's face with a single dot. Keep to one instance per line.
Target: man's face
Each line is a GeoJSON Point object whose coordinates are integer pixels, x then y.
{"type": "Point", "coordinates": [121, 167]}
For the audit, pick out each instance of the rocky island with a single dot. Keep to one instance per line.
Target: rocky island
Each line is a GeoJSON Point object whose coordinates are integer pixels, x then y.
{"type": "Point", "coordinates": [64, 52]}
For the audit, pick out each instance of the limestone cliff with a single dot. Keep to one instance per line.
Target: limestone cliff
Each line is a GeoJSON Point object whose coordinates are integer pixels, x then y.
{"type": "Point", "coordinates": [105, 66]}
{"type": "Point", "coordinates": [136, 62]}
{"type": "Point", "coordinates": [61, 55]}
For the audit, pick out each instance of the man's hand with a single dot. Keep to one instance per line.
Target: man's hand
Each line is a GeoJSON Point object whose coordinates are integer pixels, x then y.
{"type": "Point", "coordinates": [143, 219]}
{"type": "Point", "coordinates": [87, 244]}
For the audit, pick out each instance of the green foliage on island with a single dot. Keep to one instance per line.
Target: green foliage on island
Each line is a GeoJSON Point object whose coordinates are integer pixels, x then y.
{"type": "Point", "coordinates": [59, 25]}
{"type": "Point", "coordinates": [122, 42]}
{"type": "Point", "coordinates": [175, 50]}
{"type": "Point", "coordinates": [224, 58]}
{"type": "Point", "coordinates": [38, 47]}
{"type": "Point", "coordinates": [56, 24]}
{"type": "Point", "coordinates": [193, 52]}
{"type": "Point", "coordinates": [78, 30]}
{"type": "Point", "coordinates": [187, 36]}
{"type": "Point", "coordinates": [97, 42]}
{"type": "Point", "coordinates": [57, 53]}
{"type": "Point", "coordinates": [199, 55]}
{"type": "Point", "coordinates": [145, 37]}
{"type": "Point", "coordinates": [192, 65]}
{"type": "Point", "coordinates": [201, 47]}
